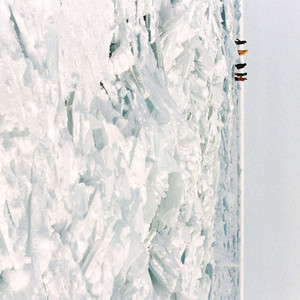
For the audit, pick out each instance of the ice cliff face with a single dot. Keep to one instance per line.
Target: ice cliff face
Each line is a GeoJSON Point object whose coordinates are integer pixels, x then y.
{"type": "Point", "coordinates": [119, 150]}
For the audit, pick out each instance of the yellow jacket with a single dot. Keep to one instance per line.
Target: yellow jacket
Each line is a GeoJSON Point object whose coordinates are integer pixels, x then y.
{"type": "Point", "coordinates": [242, 52]}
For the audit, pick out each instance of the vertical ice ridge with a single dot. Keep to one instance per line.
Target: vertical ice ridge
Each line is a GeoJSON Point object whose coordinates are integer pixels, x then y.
{"type": "Point", "coordinates": [28, 248]}
{"type": "Point", "coordinates": [69, 103]}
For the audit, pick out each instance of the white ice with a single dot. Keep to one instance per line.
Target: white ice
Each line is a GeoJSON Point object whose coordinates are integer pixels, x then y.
{"type": "Point", "coordinates": [120, 149]}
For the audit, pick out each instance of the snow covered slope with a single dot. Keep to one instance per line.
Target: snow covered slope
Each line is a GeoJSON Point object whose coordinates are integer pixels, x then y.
{"type": "Point", "coordinates": [119, 132]}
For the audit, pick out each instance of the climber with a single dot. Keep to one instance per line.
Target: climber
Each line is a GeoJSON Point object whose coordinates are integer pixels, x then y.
{"type": "Point", "coordinates": [242, 52]}
{"type": "Point", "coordinates": [241, 66]}
{"type": "Point", "coordinates": [240, 78]}
{"type": "Point", "coordinates": [238, 42]}
{"type": "Point", "coordinates": [240, 74]}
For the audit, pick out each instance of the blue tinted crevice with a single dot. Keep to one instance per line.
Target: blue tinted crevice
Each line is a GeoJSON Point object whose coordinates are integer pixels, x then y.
{"type": "Point", "coordinates": [18, 33]}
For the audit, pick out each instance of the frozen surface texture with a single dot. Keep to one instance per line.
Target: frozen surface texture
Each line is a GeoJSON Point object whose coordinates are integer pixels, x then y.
{"type": "Point", "coordinates": [119, 145]}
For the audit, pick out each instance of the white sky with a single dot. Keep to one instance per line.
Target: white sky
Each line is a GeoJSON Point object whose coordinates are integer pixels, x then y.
{"type": "Point", "coordinates": [272, 150]}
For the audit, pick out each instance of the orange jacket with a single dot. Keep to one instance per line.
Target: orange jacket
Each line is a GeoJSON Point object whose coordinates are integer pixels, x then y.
{"type": "Point", "coordinates": [242, 52]}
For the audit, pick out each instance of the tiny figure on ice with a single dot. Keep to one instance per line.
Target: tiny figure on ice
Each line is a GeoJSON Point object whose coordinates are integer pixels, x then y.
{"type": "Point", "coordinates": [240, 66]}
{"type": "Point", "coordinates": [239, 42]}
{"type": "Point", "coordinates": [240, 78]}
{"type": "Point", "coordinates": [242, 52]}
{"type": "Point", "coordinates": [240, 74]}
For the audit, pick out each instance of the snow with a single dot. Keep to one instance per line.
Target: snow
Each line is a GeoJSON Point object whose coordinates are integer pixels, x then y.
{"type": "Point", "coordinates": [120, 150]}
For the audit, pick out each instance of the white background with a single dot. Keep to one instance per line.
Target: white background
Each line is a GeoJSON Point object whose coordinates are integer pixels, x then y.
{"type": "Point", "coordinates": [272, 144]}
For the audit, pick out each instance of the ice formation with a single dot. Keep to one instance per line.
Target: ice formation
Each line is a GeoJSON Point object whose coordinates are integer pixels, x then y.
{"type": "Point", "coordinates": [119, 130]}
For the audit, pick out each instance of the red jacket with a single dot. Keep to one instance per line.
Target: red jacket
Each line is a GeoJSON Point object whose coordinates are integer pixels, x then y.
{"type": "Point", "coordinates": [240, 78]}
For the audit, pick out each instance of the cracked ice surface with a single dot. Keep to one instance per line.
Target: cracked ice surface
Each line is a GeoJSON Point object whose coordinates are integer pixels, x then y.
{"type": "Point", "coordinates": [119, 132]}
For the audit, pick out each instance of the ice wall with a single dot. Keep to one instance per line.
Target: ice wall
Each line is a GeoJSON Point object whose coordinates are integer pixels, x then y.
{"type": "Point", "coordinates": [119, 150]}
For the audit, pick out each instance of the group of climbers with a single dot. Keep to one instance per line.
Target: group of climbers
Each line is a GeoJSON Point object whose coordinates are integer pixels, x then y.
{"type": "Point", "coordinates": [240, 76]}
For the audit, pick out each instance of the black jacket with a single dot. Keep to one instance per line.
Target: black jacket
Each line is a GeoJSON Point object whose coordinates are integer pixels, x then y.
{"type": "Point", "coordinates": [238, 42]}
{"type": "Point", "coordinates": [241, 66]}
